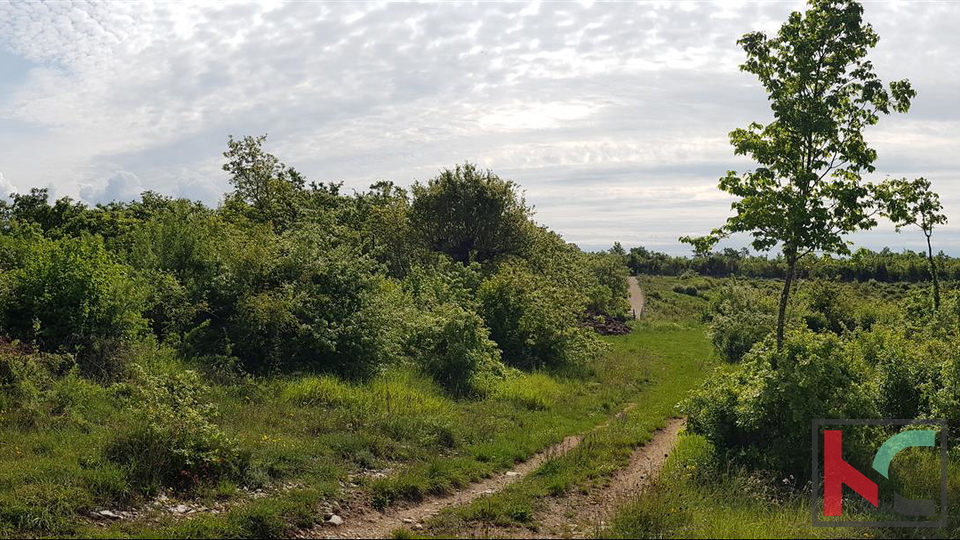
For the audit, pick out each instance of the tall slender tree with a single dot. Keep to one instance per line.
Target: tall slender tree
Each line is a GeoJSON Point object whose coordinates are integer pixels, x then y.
{"type": "Point", "coordinates": [912, 202]}
{"type": "Point", "coordinates": [807, 192]}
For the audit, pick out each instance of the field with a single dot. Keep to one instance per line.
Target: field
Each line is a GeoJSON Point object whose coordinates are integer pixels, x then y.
{"type": "Point", "coordinates": [320, 441]}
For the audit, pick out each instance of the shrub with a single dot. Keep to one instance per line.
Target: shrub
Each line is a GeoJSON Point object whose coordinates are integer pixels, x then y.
{"type": "Point", "coordinates": [740, 317]}
{"type": "Point", "coordinates": [169, 438]}
{"type": "Point", "coordinates": [945, 397]}
{"type": "Point", "coordinates": [453, 346]}
{"type": "Point", "coordinates": [901, 367]}
{"type": "Point", "coordinates": [169, 308]}
{"type": "Point", "coordinates": [608, 294]}
{"type": "Point", "coordinates": [688, 290]}
{"type": "Point", "coordinates": [760, 416]}
{"type": "Point", "coordinates": [297, 302]}
{"type": "Point", "coordinates": [71, 295]}
{"type": "Point", "coordinates": [27, 384]}
{"type": "Point", "coordinates": [831, 308]}
{"type": "Point", "coordinates": [533, 321]}
{"type": "Point", "coordinates": [470, 214]}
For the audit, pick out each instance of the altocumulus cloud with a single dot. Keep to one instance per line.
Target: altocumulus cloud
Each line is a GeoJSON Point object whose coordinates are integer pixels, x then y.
{"type": "Point", "coordinates": [613, 117]}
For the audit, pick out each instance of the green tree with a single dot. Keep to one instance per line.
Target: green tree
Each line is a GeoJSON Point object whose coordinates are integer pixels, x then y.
{"type": "Point", "coordinates": [470, 214]}
{"type": "Point", "coordinates": [72, 295]}
{"type": "Point", "coordinates": [912, 202]}
{"type": "Point", "coordinates": [807, 191]}
{"type": "Point", "coordinates": [261, 180]}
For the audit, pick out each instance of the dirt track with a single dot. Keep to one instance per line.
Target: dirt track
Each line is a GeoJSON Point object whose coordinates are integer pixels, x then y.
{"type": "Point", "coordinates": [369, 523]}
{"type": "Point", "coordinates": [576, 515]}
{"type": "Point", "coordinates": [637, 299]}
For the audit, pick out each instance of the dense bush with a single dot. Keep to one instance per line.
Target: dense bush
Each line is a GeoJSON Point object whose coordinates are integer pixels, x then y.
{"type": "Point", "coordinates": [761, 416]}
{"type": "Point", "coordinates": [29, 385]}
{"type": "Point", "coordinates": [609, 291]}
{"type": "Point", "coordinates": [830, 307]}
{"type": "Point", "coordinates": [453, 346]}
{"type": "Point", "coordinates": [471, 215]}
{"type": "Point", "coordinates": [740, 317]}
{"type": "Point", "coordinates": [689, 290]}
{"type": "Point", "coordinates": [532, 320]}
{"type": "Point", "coordinates": [72, 295]}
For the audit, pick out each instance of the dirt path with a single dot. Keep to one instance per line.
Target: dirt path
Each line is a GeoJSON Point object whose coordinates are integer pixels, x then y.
{"type": "Point", "coordinates": [584, 515]}
{"type": "Point", "coordinates": [636, 298]}
{"type": "Point", "coordinates": [365, 522]}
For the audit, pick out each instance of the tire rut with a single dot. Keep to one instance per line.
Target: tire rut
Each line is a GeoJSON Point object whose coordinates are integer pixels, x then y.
{"type": "Point", "coordinates": [367, 522]}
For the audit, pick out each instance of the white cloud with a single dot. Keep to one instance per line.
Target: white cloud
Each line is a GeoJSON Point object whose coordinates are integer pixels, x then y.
{"type": "Point", "coordinates": [123, 186]}
{"type": "Point", "coordinates": [6, 187]}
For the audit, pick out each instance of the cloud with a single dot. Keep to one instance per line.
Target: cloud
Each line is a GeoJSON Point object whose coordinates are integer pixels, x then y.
{"type": "Point", "coordinates": [6, 187]}
{"type": "Point", "coordinates": [198, 188]}
{"type": "Point", "coordinates": [625, 107]}
{"type": "Point", "coordinates": [123, 186]}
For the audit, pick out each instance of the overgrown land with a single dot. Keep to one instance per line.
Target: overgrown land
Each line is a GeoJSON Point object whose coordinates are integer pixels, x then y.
{"type": "Point", "coordinates": [298, 357]}
{"type": "Point", "coordinates": [169, 368]}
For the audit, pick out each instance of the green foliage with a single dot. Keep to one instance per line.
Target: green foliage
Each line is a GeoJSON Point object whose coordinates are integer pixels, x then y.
{"type": "Point", "coordinates": [688, 290]}
{"type": "Point", "coordinates": [830, 308]}
{"type": "Point", "coordinates": [170, 438]}
{"type": "Point", "coordinates": [470, 214]}
{"type": "Point", "coordinates": [740, 317]}
{"type": "Point", "coordinates": [453, 345]}
{"type": "Point", "coordinates": [609, 293]}
{"type": "Point", "coordinates": [43, 390]}
{"type": "Point", "coordinates": [446, 337]}
{"type": "Point", "coordinates": [760, 416]}
{"type": "Point", "coordinates": [72, 295]}
{"type": "Point", "coordinates": [532, 321]}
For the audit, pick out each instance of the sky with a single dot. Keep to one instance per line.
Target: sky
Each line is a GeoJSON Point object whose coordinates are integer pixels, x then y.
{"type": "Point", "coordinates": [613, 117]}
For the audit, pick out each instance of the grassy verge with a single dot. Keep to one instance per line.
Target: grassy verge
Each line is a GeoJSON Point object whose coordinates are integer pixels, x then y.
{"type": "Point", "coordinates": [693, 499]}
{"type": "Point", "coordinates": [396, 438]}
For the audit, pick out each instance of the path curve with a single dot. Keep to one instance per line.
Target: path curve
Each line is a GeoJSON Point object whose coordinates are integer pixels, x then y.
{"type": "Point", "coordinates": [637, 300]}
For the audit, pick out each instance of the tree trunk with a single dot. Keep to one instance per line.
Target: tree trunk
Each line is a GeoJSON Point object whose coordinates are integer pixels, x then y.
{"type": "Point", "coordinates": [934, 275]}
{"type": "Point", "coordinates": [784, 298]}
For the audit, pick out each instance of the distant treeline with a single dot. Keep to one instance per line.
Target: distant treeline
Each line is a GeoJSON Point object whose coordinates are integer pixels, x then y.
{"type": "Point", "coordinates": [862, 265]}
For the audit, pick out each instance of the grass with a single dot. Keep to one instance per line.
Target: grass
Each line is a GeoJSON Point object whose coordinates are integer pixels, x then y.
{"type": "Point", "coordinates": [307, 436]}
{"type": "Point", "coordinates": [694, 498]}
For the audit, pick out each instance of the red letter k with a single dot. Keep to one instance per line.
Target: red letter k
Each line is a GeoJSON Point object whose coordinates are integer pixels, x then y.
{"type": "Point", "coordinates": [837, 472]}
